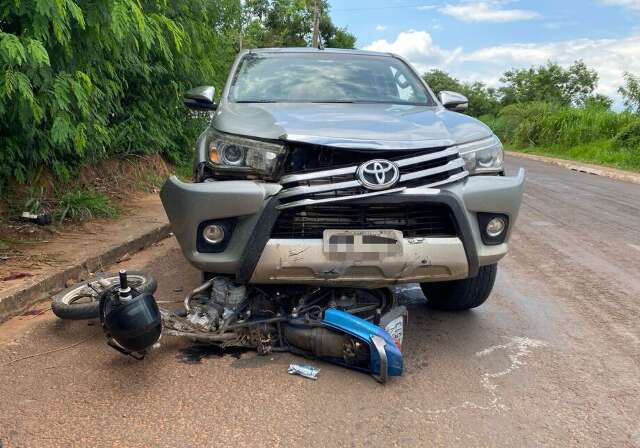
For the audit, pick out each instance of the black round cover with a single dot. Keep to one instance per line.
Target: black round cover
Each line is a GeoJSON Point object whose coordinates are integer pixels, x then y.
{"type": "Point", "coordinates": [135, 324]}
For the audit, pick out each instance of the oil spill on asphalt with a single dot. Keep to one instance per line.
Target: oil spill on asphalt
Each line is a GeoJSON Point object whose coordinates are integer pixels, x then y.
{"type": "Point", "coordinates": [194, 354]}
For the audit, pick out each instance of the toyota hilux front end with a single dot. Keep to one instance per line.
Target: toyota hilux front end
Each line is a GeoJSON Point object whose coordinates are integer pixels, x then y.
{"type": "Point", "coordinates": [341, 168]}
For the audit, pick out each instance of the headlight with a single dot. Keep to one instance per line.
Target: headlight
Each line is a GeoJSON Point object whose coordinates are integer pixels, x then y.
{"type": "Point", "coordinates": [483, 156]}
{"type": "Point", "coordinates": [232, 156]}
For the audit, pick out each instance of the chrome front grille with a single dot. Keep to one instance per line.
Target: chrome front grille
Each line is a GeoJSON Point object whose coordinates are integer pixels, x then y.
{"type": "Point", "coordinates": [415, 220]}
{"type": "Point", "coordinates": [429, 170]}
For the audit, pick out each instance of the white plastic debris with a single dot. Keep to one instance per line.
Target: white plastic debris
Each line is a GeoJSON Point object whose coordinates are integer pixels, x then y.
{"type": "Point", "coordinates": [306, 371]}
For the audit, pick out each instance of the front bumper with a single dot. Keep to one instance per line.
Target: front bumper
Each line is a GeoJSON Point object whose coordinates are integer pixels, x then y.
{"type": "Point", "coordinates": [252, 256]}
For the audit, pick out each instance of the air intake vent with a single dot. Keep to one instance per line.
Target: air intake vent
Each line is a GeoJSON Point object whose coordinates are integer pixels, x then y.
{"type": "Point", "coordinates": [414, 220]}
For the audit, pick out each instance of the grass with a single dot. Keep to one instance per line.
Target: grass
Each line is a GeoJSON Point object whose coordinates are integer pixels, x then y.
{"type": "Point", "coordinates": [81, 205]}
{"type": "Point", "coordinates": [599, 152]}
{"type": "Point", "coordinates": [592, 135]}
{"type": "Point", "coordinates": [154, 181]}
{"type": "Point", "coordinates": [184, 171]}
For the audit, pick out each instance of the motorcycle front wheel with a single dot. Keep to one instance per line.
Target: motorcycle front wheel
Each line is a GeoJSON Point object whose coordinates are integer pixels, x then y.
{"type": "Point", "coordinates": [81, 301]}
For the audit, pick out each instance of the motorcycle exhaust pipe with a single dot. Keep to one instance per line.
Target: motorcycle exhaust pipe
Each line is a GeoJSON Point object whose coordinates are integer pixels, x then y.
{"type": "Point", "coordinates": [323, 342]}
{"type": "Point", "coordinates": [345, 339]}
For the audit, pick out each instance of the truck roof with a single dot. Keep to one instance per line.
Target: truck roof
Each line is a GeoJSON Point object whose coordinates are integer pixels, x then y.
{"type": "Point", "coordinates": [315, 50]}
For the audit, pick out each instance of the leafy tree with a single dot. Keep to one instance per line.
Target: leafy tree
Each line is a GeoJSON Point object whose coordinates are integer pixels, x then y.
{"type": "Point", "coordinates": [598, 101]}
{"type": "Point", "coordinates": [339, 38]}
{"type": "Point", "coordinates": [482, 100]}
{"type": "Point", "coordinates": [440, 80]}
{"type": "Point", "coordinates": [289, 23]}
{"type": "Point", "coordinates": [551, 83]}
{"type": "Point", "coordinates": [84, 80]}
{"type": "Point", "coordinates": [631, 92]}
{"type": "Point", "coordinates": [332, 36]}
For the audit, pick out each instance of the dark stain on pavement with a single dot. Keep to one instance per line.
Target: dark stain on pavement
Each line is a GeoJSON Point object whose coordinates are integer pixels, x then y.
{"type": "Point", "coordinates": [194, 354]}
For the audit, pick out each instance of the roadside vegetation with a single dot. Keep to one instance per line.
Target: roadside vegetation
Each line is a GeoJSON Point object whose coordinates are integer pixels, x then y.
{"type": "Point", "coordinates": [83, 83]}
{"type": "Point", "coordinates": [80, 205]}
{"type": "Point", "coordinates": [550, 110]}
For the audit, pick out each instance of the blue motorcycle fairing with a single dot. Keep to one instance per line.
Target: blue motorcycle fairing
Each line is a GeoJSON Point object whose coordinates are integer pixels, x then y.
{"type": "Point", "coordinates": [364, 330]}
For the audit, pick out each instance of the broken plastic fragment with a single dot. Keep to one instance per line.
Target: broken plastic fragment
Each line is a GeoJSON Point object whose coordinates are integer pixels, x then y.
{"type": "Point", "coordinates": [306, 371]}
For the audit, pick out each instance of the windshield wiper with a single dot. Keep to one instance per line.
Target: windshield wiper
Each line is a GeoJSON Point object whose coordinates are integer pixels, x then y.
{"type": "Point", "coordinates": [297, 101]}
{"type": "Point", "coordinates": [401, 103]}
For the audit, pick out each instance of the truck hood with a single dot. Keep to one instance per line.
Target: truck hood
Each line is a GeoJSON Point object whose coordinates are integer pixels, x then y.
{"type": "Point", "coordinates": [382, 126]}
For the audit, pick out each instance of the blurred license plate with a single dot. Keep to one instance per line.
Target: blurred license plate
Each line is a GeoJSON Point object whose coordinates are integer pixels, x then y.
{"type": "Point", "coordinates": [387, 242]}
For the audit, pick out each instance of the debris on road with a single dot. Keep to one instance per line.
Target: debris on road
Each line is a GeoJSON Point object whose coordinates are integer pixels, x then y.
{"type": "Point", "coordinates": [224, 315]}
{"type": "Point", "coordinates": [125, 257]}
{"type": "Point", "coordinates": [306, 371]}
{"type": "Point", "coordinates": [42, 219]}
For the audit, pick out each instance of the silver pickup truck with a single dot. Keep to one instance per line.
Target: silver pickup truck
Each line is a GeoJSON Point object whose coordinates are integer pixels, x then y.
{"type": "Point", "coordinates": [341, 169]}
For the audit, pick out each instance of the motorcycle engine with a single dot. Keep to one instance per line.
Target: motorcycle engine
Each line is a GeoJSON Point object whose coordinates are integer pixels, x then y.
{"type": "Point", "coordinates": [209, 311]}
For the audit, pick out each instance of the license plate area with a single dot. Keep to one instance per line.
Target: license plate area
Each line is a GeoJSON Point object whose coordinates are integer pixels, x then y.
{"type": "Point", "coordinates": [383, 242]}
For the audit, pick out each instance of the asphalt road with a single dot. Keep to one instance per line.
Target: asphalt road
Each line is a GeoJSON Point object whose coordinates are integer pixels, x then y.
{"type": "Point", "coordinates": [553, 359]}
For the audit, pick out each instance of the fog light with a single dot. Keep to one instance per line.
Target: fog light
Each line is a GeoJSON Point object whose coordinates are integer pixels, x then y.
{"type": "Point", "coordinates": [213, 234]}
{"type": "Point", "coordinates": [495, 227]}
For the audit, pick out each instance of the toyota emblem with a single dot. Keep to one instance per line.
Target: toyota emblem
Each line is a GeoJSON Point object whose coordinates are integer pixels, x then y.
{"type": "Point", "coordinates": [378, 174]}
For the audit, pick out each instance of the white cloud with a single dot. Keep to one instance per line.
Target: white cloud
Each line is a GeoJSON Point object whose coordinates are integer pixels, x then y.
{"type": "Point", "coordinates": [427, 7]}
{"type": "Point", "coordinates": [633, 4]}
{"type": "Point", "coordinates": [417, 46]}
{"type": "Point", "coordinates": [381, 28]}
{"type": "Point", "coordinates": [609, 57]}
{"type": "Point", "coordinates": [487, 11]}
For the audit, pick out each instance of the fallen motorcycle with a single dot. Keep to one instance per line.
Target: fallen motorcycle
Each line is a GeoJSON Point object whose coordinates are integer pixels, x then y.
{"type": "Point", "coordinates": [356, 328]}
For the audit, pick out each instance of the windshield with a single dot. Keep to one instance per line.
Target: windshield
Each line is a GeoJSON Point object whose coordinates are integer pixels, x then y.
{"type": "Point", "coordinates": [326, 78]}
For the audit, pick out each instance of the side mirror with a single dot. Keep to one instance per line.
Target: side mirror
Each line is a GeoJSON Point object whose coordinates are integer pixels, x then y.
{"type": "Point", "coordinates": [453, 101]}
{"type": "Point", "coordinates": [200, 98]}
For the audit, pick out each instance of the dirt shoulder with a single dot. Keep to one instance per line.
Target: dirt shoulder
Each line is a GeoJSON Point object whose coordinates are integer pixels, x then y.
{"type": "Point", "coordinates": [35, 269]}
{"type": "Point", "coordinates": [598, 170]}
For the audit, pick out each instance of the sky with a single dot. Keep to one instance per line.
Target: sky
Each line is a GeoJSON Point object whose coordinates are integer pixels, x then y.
{"type": "Point", "coordinates": [479, 40]}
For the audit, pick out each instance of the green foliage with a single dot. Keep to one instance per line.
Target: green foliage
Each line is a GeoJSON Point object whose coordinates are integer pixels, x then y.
{"type": "Point", "coordinates": [589, 134]}
{"type": "Point", "coordinates": [289, 23]}
{"type": "Point", "coordinates": [629, 137]}
{"type": "Point", "coordinates": [35, 200]}
{"type": "Point", "coordinates": [552, 110]}
{"type": "Point", "coordinates": [598, 101]}
{"type": "Point", "coordinates": [540, 124]}
{"type": "Point", "coordinates": [82, 80]}
{"type": "Point", "coordinates": [482, 100]}
{"type": "Point", "coordinates": [631, 92]}
{"type": "Point", "coordinates": [549, 83]}
{"type": "Point", "coordinates": [601, 152]}
{"type": "Point", "coordinates": [81, 205]}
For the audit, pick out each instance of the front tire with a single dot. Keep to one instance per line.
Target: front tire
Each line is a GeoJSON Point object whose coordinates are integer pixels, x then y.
{"type": "Point", "coordinates": [82, 300]}
{"type": "Point", "coordinates": [460, 295]}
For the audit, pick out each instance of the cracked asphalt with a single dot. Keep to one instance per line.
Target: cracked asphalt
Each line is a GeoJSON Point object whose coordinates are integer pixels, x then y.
{"type": "Point", "coordinates": [552, 359]}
